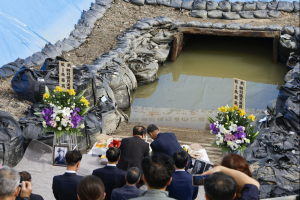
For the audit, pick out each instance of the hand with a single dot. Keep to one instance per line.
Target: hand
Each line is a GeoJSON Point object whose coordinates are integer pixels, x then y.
{"type": "Point", "coordinates": [26, 189]}
{"type": "Point", "coordinates": [213, 170]}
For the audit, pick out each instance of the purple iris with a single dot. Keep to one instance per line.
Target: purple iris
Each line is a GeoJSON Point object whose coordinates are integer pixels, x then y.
{"type": "Point", "coordinates": [214, 129]}
{"type": "Point", "coordinates": [239, 135]}
{"type": "Point", "coordinates": [239, 129]}
{"type": "Point", "coordinates": [77, 109]}
{"type": "Point", "coordinates": [47, 113]}
{"type": "Point", "coordinates": [75, 119]}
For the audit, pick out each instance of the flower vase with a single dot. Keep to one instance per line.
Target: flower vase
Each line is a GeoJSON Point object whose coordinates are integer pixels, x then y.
{"type": "Point", "coordinates": [66, 140]}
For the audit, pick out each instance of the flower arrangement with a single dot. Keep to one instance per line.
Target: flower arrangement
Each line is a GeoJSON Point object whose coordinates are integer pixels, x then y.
{"type": "Point", "coordinates": [63, 111]}
{"type": "Point", "coordinates": [233, 129]}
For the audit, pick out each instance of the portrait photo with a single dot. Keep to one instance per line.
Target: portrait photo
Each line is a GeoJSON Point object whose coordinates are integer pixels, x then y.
{"type": "Point", "coordinates": [59, 153]}
{"type": "Point", "coordinates": [199, 166]}
{"type": "Point", "coordinates": [208, 166]}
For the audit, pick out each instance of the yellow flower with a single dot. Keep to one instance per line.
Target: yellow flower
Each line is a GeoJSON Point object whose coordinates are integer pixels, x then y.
{"type": "Point", "coordinates": [234, 108]}
{"type": "Point", "coordinates": [58, 89]}
{"type": "Point", "coordinates": [71, 92]}
{"type": "Point", "coordinates": [46, 96]}
{"type": "Point", "coordinates": [230, 109]}
{"type": "Point", "coordinates": [84, 101]}
{"type": "Point", "coordinates": [222, 109]}
{"type": "Point", "coordinates": [241, 112]}
{"type": "Point", "coordinates": [251, 117]}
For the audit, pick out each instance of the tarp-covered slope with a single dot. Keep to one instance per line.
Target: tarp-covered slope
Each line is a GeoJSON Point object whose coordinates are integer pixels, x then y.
{"type": "Point", "coordinates": [26, 26]}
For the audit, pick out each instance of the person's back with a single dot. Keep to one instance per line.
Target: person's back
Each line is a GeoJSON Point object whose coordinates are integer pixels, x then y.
{"type": "Point", "coordinates": [129, 190]}
{"type": "Point", "coordinates": [181, 187]}
{"type": "Point", "coordinates": [25, 176]}
{"type": "Point", "coordinates": [111, 176]}
{"type": "Point", "coordinates": [65, 186]}
{"type": "Point", "coordinates": [133, 150]}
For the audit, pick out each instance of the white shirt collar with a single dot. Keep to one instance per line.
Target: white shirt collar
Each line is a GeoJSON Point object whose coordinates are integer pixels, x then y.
{"type": "Point", "coordinates": [69, 171]}
{"type": "Point", "coordinates": [111, 165]}
{"type": "Point", "coordinates": [179, 170]}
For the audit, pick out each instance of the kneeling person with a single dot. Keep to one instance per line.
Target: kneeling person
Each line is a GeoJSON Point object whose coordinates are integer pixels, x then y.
{"type": "Point", "coordinates": [181, 187]}
{"type": "Point", "coordinates": [129, 190]}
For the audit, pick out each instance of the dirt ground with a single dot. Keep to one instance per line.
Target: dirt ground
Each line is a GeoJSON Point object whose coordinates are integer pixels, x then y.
{"type": "Point", "coordinates": [118, 18]}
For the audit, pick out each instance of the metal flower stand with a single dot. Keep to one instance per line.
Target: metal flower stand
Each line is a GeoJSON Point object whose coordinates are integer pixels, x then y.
{"type": "Point", "coordinates": [66, 140]}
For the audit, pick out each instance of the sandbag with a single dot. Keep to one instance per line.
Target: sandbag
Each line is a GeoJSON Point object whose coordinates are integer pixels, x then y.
{"type": "Point", "coordinates": [163, 20]}
{"type": "Point", "coordinates": [199, 5]}
{"type": "Point", "coordinates": [105, 3]}
{"type": "Point", "coordinates": [95, 13]}
{"type": "Point", "coordinates": [272, 5]}
{"type": "Point", "coordinates": [162, 53]}
{"type": "Point", "coordinates": [219, 25]}
{"type": "Point", "coordinates": [293, 60]}
{"type": "Point", "coordinates": [236, 6]}
{"type": "Point", "coordinates": [193, 24]}
{"type": "Point", "coordinates": [231, 15]}
{"type": "Point", "coordinates": [198, 13]}
{"type": "Point", "coordinates": [177, 24]}
{"type": "Point", "coordinates": [211, 5]}
{"type": "Point", "coordinates": [274, 28]}
{"type": "Point", "coordinates": [163, 37]}
{"type": "Point", "coordinates": [296, 6]}
{"type": "Point", "coordinates": [233, 26]}
{"type": "Point", "coordinates": [188, 5]}
{"type": "Point", "coordinates": [285, 6]}
{"type": "Point", "coordinates": [249, 6]}
{"type": "Point", "coordinates": [274, 13]}
{"type": "Point", "coordinates": [260, 28]}
{"type": "Point", "coordinates": [292, 112]}
{"type": "Point", "coordinates": [288, 30]}
{"type": "Point", "coordinates": [72, 42]}
{"type": "Point", "coordinates": [9, 69]}
{"type": "Point", "coordinates": [144, 69]}
{"type": "Point", "coordinates": [287, 41]}
{"type": "Point", "coordinates": [290, 89]}
{"type": "Point", "coordinates": [150, 21]}
{"type": "Point", "coordinates": [247, 14]}
{"type": "Point", "coordinates": [98, 8]}
{"type": "Point", "coordinates": [11, 140]}
{"type": "Point", "coordinates": [64, 46]}
{"type": "Point", "coordinates": [261, 14]}
{"type": "Point", "coordinates": [88, 17]}
{"type": "Point", "coordinates": [261, 5]}
{"type": "Point", "coordinates": [205, 25]}
{"type": "Point", "coordinates": [176, 3]}
{"type": "Point", "coordinates": [138, 2]}
{"type": "Point", "coordinates": [164, 2]}
{"type": "Point", "coordinates": [215, 14]}
{"type": "Point", "coordinates": [151, 2]}
{"type": "Point", "coordinates": [246, 27]}
{"type": "Point", "coordinates": [51, 51]}
{"type": "Point", "coordinates": [225, 6]}
{"type": "Point", "coordinates": [141, 25]}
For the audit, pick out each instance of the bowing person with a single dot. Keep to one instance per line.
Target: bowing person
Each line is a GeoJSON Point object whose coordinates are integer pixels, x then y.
{"type": "Point", "coordinates": [134, 149]}
{"type": "Point", "coordinates": [65, 186]}
{"type": "Point", "coordinates": [111, 176]}
{"type": "Point", "coordinates": [165, 143]}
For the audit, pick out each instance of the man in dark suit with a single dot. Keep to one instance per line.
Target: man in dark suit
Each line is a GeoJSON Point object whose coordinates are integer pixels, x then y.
{"type": "Point", "coordinates": [25, 176]}
{"type": "Point", "coordinates": [165, 143]}
{"type": "Point", "coordinates": [133, 150]}
{"type": "Point", "coordinates": [65, 186]}
{"type": "Point", "coordinates": [181, 187]}
{"type": "Point", "coordinates": [111, 176]}
{"type": "Point", "coordinates": [129, 190]}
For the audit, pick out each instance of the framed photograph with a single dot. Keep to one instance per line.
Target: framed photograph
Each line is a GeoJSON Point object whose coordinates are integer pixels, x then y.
{"type": "Point", "coordinates": [199, 167]}
{"type": "Point", "coordinates": [208, 166]}
{"type": "Point", "coordinates": [59, 153]}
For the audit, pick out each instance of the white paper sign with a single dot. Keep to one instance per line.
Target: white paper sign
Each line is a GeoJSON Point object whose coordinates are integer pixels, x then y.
{"type": "Point", "coordinates": [239, 93]}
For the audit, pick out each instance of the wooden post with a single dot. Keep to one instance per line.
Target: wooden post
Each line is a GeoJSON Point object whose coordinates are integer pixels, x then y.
{"type": "Point", "coordinates": [177, 46]}
{"type": "Point", "coordinates": [275, 49]}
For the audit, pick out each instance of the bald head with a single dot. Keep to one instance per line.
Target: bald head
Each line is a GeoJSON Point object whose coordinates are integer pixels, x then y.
{"type": "Point", "coordinates": [139, 130]}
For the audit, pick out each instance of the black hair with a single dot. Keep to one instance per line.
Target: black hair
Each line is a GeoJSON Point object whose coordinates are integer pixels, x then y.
{"type": "Point", "coordinates": [158, 170]}
{"type": "Point", "coordinates": [113, 154]}
{"type": "Point", "coordinates": [73, 157]}
{"type": "Point", "coordinates": [90, 187]}
{"type": "Point", "coordinates": [180, 159]}
{"type": "Point", "coordinates": [24, 176]}
{"type": "Point", "coordinates": [133, 175]}
{"type": "Point", "coordinates": [139, 130]}
{"type": "Point", "coordinates": [151, 128]}
{"type": "Point", "coordinates": [219, 186]}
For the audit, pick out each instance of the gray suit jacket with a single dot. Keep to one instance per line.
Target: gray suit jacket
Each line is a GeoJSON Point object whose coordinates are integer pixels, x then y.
{"type": "Point", "coordinates": [153, 194]}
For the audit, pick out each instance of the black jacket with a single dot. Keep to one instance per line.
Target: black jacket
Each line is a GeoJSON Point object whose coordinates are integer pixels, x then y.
{"type": "Point", "coordinates": [65, 186]}
{"type": "Point", "coordinates": [133, 150]}
{"type": "Point", "coordinates": [126, 192]}
{"type": "Point", "coordinates": [32, 197]}
{"type": "Point", "coordinates": [112, 177]}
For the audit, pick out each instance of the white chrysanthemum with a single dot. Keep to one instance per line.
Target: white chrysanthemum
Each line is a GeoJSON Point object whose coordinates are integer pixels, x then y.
{"type": "Point", "coordinates": [233, 127]}
{"type": "Point", "coordinates": [238, 141]}
{"type": "Point", "coordinates": [247, 140]}
{"type": "Point", "coordinates": [217, 142]}
{"type": "Point", "coordinates": [222, 128]}
{"type": "Point", "coordinates": [82, 126]}
{"type": "Point", "coordinates": [66, 112]}
{"type": "Point", "coordinates": [57, 119]}
{"type": "Point", "coordinates": [59, 128]}
{"type": "Point", "coordinates": [44, 123]}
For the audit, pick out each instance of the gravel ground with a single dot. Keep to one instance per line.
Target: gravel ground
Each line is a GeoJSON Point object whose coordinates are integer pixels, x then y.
{"type": "Point", "coordinates": [118, 18]}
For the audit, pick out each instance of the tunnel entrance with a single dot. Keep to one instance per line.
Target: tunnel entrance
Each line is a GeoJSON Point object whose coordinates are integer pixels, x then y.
{"type": "Point", "coordinates": [200, 80]}
{"type": "Point", "coordinates": [182, 37]}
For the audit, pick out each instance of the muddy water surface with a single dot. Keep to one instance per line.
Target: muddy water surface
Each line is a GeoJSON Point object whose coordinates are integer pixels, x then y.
{"type": "Point", "coordinates": [200, 81]}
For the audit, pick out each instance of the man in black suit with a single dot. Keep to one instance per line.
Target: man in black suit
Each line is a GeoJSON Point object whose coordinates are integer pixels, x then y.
{"type": "Point", "coordinates": [165, 143]}
{"type": "Point", "coordinates": [181, 187]}
{"type": "Point", "coordinates": [25, 176]}
{"type": "Point", "coordinates": [111, 176]}
{"type": "Point", "coordinates": [129, 190]}
{"type": "Point", "coordinates": [133, 150]}
{"type": "Point", "coordinates": [65, 186]}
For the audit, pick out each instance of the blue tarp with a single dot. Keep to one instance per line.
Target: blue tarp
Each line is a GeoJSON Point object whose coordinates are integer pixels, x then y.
{"type": "Point", "coordinates": [26, 26]}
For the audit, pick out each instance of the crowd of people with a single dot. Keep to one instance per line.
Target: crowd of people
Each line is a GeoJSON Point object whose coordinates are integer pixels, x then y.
{"type": "Point", "coordinates": [130, 167]}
